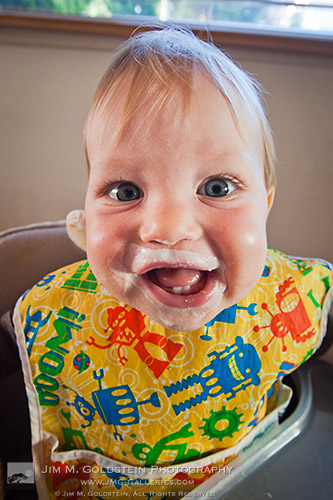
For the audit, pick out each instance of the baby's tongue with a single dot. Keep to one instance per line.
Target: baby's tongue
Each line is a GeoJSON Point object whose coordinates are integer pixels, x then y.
{"type": "Point", "coordinates": [170, 277]}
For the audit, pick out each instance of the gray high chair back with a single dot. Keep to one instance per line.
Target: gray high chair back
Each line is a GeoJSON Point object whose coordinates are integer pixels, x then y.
{"type": "Point", "coordinates": [30, 252]}
{"type": "Point", "coordinates": [26, 255]}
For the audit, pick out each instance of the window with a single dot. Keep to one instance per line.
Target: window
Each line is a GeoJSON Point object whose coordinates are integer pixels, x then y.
{"type": "Point", "coordinates": [298, 15]}
{"type": "Point", "coordinates": [295, 25]}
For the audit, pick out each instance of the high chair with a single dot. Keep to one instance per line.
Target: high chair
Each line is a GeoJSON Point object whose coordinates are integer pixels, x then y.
{"type": "Point", "coordinates": [26, 255]}
{"type": "Point", "coordinates": [30, 252]}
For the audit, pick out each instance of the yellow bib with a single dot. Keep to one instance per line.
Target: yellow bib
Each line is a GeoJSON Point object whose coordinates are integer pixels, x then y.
{"type": "Point", "coordinates": [120, 403]}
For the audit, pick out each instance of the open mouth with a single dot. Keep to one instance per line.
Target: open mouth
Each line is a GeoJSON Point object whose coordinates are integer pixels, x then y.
{"type": "Point", "coordinates": [180, 286]}
{"type": "Point", "coordinates": [179, 281]}
{"type": "Point", "coordinates": [176, 278]}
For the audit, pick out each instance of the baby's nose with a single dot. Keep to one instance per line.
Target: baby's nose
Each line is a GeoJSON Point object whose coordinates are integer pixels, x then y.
{"type": "Point", "coordinates": [170, 224]}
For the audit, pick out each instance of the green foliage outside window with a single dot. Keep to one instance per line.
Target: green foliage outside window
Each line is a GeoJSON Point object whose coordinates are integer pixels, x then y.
{"type": "Point", "coordinates": [306, 14]}
{"type": "Point", "coordinates": [103, 8]}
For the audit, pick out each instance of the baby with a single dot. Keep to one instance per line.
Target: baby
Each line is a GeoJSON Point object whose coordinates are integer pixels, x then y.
{"type": "Point", "coordinates": [159, 359]}
{"type": "Point", "coordinates": [177, 201]}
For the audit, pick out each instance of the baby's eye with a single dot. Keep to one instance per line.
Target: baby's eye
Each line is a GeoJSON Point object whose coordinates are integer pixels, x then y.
{"type": "Point", "coordinates": [217, 188]}
{"type": "Point", "coordinates": [125, 191]}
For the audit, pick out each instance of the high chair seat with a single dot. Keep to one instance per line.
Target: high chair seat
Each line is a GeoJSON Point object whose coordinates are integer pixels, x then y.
{"type": "Point", "coordinates": [27, 254]}
{"type": "Point", "coordinates": [30, 252]}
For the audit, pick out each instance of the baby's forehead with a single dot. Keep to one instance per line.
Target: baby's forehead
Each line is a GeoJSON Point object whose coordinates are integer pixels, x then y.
{"type": "Point", "coordinates": [149, 69]}
{"type": "Point", "coordinates": [126, 137]}
{"type": "Point", "coordinates": [137, 101]}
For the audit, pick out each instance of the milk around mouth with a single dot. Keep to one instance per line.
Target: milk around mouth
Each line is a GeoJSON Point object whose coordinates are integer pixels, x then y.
{"type": "Point", "coordinates": [178, 281]}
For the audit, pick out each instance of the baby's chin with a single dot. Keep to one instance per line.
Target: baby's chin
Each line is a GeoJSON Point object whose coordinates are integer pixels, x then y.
{"type": "Point", "coordinates": [183, 320]}
{"type": "Point", "coordinates": [180, 320]}
{"type": "Point", "coordinates": [173, 318]}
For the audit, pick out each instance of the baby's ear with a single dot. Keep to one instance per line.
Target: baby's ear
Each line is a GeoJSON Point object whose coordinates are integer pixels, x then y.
{"type": "Point", "coordinates": [76, 227]}
{"type": "Point", "coordinates": [270, 197]}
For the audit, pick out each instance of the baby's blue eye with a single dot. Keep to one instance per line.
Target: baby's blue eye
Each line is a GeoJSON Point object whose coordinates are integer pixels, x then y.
{"type": "Point", "coordinates": [216, 188]}
{"type": "Point", "coordinates": [125, 191]}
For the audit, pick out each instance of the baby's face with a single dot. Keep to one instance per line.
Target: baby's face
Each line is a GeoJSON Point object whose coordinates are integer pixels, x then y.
{"type": "Point", "coordinates": [176, 210]}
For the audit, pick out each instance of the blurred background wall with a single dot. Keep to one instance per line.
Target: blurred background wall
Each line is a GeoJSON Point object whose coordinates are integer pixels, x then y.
{"type": "Point", "coordinates": [46, 85]}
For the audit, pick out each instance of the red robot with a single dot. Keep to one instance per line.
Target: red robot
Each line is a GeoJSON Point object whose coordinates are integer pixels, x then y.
{"type": "Point", "coordinates": [292, 319]}
{"type": "Point", "coordinates": [129, 329]}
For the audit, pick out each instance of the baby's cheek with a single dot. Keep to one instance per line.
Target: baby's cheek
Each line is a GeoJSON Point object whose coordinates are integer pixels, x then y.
{"type": "Point", "coordinates": [251, 256]}
{"type": "Point", "coordinates": [107, 241]}
{"type": "Point", "coordinates": [243, 247]}
{"type": "Point", "coordinates": [97, 242]}
{"type": "Point", "coordinates": [240, 231]}
{"type": "Point", "coordinates": [252, 237]}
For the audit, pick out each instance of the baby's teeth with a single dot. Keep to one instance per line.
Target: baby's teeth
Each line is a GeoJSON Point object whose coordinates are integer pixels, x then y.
{"type": "Point", "coordinates": [180, 289]}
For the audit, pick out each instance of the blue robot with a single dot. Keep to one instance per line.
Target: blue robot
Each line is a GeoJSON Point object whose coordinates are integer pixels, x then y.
{"type": "Point", "coordinates": [229, 372]}
{"type": "Point", "coordinates": [115, 405]}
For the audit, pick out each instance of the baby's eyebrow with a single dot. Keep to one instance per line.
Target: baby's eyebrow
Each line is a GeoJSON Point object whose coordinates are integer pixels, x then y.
{"type": "Point", "coordinates": [230, 159]}
{"type": "Point", "coordinates": [125, 159]}
{"type": "Point", "coordinates": [114, 167]}
{"type": "Point", "coordinates": [249, 157]}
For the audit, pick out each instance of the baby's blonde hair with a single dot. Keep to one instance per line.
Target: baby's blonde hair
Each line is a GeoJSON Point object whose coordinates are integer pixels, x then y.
{"type": "Point", "coordinates": [151, 65]}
